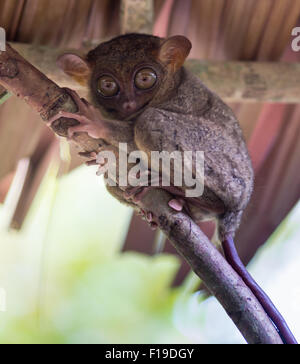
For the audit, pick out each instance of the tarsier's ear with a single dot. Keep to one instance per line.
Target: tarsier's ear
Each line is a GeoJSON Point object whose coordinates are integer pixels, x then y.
{"type": "Point", "coordinates": [75, 66]}
{"type": "Point", "coordinates": [174, 51]}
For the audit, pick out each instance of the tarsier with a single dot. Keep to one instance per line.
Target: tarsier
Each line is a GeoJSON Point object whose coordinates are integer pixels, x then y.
{"type": "Point", "coordinates": [143, 96]}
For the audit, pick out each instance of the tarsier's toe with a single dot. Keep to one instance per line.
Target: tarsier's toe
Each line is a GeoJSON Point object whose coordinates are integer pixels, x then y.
{"type": "Point", "coordinates": [142, 213]}
{"type": "Point", "coordinates": [176, 204]}
{"type": "Point", "coordinates": [100, 161]}
{"type": "Point", "coordinates": [53, 119]}
{"type": "Point", "coordinates": [80, 128]}
{"type": "Point", "coordinates": [93, 162]}
{"type": "Point", "coordinates": [128, 193]}
{"type": "Point", "coordinates": [135, 193]}
{"type": "Point", "coordinates": [71, 131]}
{"type": "Point", "coordinates": [88, 154]}
{"type": "Point", "coordinates": [81, 103]}
{"type": "Point", "coordinates": [149, 217]}
{"type": "Point", "coordinates": [138, 196]}
{"type": "Point", "coordinates": [153, 225]}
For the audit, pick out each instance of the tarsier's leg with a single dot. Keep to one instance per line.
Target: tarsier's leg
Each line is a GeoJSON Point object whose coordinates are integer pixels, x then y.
{"type": "Point", "coordinates": [234, 260]}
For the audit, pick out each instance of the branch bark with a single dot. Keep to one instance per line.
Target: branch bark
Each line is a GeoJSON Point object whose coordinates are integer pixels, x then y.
{"type": "Point", "coordinates": [43, 95]}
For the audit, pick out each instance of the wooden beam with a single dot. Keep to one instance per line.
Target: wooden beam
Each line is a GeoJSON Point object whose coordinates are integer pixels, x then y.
{"type": "Point", "coordinates": [232, 81]}
{"type": "Point", "coordinates": [137, 16]}
{"type": "Point", "coordinates": [250, 81]}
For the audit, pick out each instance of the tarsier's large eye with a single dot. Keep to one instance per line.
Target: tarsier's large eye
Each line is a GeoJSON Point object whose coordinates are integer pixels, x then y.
{"type": "Point", "coordinates": [107, 86]}
{"type": "Point", "coordinates": [145, 78]}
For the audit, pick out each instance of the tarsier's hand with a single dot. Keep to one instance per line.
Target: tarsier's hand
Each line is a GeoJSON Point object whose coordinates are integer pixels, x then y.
{"type": "Point", "coordinates": [87, 115]}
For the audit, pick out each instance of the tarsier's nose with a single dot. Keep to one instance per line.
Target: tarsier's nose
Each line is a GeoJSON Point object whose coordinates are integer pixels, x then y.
{"type": "Point", "coordinates": [129, 106]}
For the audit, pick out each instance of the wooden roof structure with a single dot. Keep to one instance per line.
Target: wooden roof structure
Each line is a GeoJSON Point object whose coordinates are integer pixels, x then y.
{"type": "Point", "coordinates": [226, 31]}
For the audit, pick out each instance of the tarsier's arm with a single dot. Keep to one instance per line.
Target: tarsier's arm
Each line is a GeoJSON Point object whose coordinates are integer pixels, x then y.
{"type": "Point", "coordinates": [171, 128]}
{"type": "Point", "coordinates": [91, 121]}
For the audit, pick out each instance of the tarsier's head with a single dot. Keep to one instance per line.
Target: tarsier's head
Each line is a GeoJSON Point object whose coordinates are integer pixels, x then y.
{"type": "Point", "coordinates": [128, 72]}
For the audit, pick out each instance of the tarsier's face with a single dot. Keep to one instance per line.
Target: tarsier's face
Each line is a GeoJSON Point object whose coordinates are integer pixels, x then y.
{"type": "Point", "coordinates": [125, 77]}
{"type": "Point", "coordinates": [128, 72]}
{"type": "Point", "coordinates": [125, 89]}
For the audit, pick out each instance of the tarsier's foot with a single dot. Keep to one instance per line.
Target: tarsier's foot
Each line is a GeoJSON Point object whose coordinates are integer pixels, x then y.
{"type": "Point", "coordinates": [135, 194]}
{"type": "Point", "coordinates": [88, 116]}
{"type": "Point", "coordinates": [90, 155]}
{"type": "Point", "coordinates": [149, 217]}
{"type": "Point", "coordinates": [175, 204]}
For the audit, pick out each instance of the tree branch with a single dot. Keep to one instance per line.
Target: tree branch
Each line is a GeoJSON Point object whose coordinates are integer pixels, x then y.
{"type": "Point", "coordinates": [43, 95]}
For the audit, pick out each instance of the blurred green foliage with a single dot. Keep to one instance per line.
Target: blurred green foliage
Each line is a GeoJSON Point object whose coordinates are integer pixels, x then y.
{"type": "Point", "coordinates": [66, 280]}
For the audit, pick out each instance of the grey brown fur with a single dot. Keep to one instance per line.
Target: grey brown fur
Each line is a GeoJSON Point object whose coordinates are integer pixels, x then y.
{"type": "Point", "coordinates": [196, 119]}
{"type": "Point", "coordinates": [179, 113]}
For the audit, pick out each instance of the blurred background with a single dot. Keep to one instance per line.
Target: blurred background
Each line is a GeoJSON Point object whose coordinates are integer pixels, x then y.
{"type": "Point", "coordinates": [75, 265]}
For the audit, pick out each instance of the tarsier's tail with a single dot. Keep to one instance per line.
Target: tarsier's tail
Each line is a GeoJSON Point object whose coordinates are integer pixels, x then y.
{"type": "Point", "coordinates": [277, 319]}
